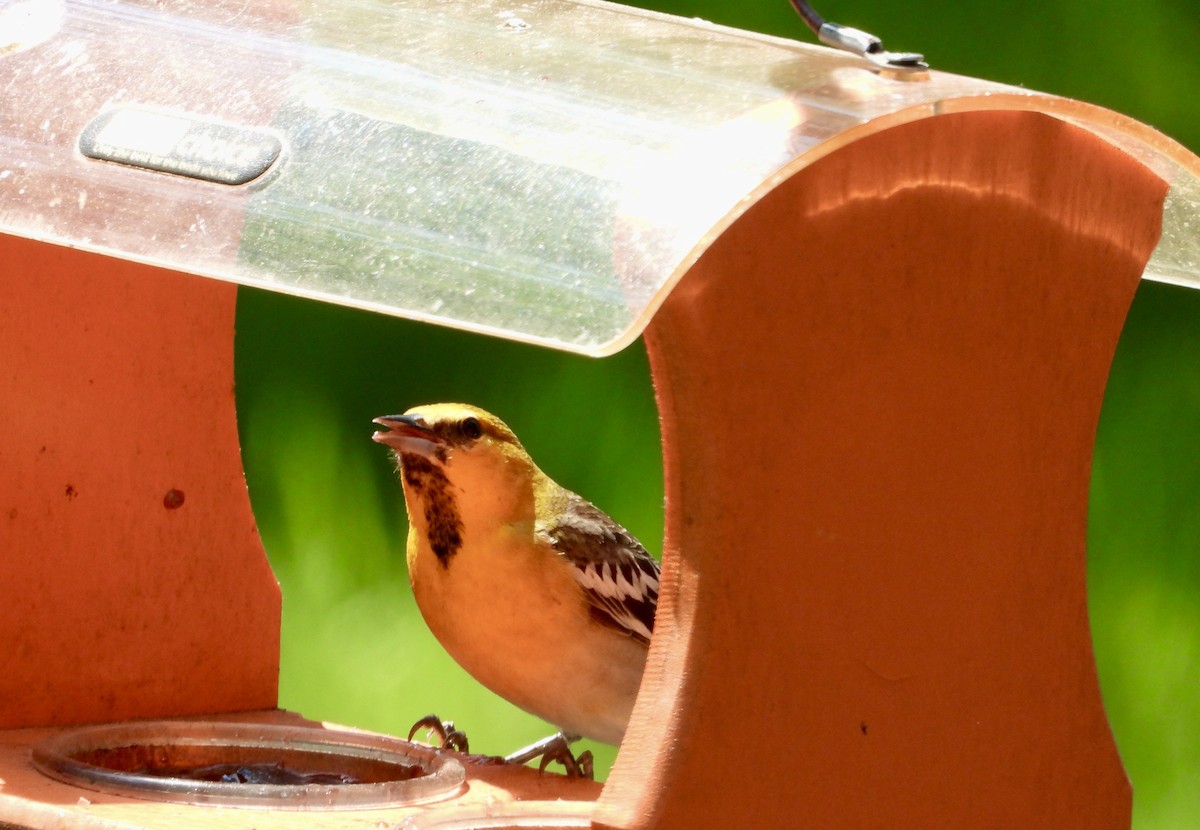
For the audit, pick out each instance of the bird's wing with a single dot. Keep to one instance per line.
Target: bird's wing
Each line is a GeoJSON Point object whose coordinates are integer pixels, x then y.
{"type": "Point", "coordinates": [619, 579]}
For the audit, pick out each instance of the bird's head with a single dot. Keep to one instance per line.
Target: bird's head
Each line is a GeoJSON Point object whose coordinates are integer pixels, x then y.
{"type": "Point", "coordinates": [447, 432]}
{"type": "Point", "coordinates": [463, 453]}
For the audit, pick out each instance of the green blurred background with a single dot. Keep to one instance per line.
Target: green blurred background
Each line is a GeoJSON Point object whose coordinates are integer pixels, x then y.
{"type": "Point", "coordinates": [310, 377]}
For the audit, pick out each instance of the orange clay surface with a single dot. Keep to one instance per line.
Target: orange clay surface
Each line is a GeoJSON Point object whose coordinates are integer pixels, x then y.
{"type": "Point", "coordinates": [879, 391]}
{"type": "Point", "coordinates": [135, 584]}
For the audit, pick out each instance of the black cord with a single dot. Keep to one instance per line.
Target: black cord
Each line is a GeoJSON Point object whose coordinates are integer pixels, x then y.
{"type": "Point", "coordinates": [813, 20]}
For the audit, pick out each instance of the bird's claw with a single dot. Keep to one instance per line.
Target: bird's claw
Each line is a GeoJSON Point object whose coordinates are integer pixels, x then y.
{"type": "Point", "coordinates": [577, 766]}
{"type": "Point", "coordinates": [556, 748]}
{"type": "Point", "coordinates": [448, 736]}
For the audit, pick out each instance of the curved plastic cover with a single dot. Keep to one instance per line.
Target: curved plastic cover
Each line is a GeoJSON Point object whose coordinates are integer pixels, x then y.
{"type": "Point", "coordinates": [542, 170]}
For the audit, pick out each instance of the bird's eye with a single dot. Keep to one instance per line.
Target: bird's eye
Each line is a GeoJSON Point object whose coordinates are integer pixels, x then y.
{"type": "Point", "coordinates": [471, 428]}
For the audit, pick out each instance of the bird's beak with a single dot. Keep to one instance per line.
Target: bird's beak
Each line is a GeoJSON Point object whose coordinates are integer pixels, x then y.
{"type": "Point", "coordinates": [407, 433]}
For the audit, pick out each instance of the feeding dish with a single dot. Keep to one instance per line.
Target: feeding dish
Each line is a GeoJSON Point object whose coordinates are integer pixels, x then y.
{"type": "Point", "coordinates": [249, 765]}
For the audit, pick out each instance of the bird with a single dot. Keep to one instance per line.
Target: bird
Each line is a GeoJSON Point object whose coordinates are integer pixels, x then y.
{"type": "Point", "coordinates": [536, 592]}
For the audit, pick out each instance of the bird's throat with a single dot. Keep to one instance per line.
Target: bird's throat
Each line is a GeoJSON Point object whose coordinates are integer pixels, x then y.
{"type": "Point", "coordinates": [428, 492]}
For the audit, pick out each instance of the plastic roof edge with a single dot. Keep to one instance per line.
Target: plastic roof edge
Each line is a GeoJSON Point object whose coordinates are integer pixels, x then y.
{"type": "Point", "coordinates": [1084, 115]}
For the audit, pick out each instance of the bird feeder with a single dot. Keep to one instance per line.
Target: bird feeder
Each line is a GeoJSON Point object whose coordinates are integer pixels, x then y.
{"type": "Point", "coordinates": [881, 304]}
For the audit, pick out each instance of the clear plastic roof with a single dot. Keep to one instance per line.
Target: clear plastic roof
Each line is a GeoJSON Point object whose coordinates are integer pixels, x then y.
{"type": "Point", "coordinates": [541, 170]}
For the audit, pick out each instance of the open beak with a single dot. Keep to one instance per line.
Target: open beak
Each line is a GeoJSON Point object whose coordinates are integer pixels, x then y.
{"type": "Point", "coordinates": [407, 433]}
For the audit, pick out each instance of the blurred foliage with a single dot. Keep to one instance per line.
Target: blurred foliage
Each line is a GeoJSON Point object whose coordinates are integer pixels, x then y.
{"type": "Point", "coordinates": [311, 377]}
{"type": "Point", "coordinates": [1143, 562]}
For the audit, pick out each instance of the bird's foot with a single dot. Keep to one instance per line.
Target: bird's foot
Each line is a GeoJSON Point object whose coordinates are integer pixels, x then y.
{"type": "Point", "coordinates": [448, 737]}
{"type": "Point", "coordinates": [556, 748]}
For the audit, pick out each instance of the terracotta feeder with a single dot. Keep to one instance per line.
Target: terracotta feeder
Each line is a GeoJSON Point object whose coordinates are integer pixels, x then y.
{"type": "Point", "coordinates": [916, 279]}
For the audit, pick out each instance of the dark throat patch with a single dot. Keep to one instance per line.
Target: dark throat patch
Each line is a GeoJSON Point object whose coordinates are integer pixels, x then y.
{"type": "Point", "coordinates": [444, 527]}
